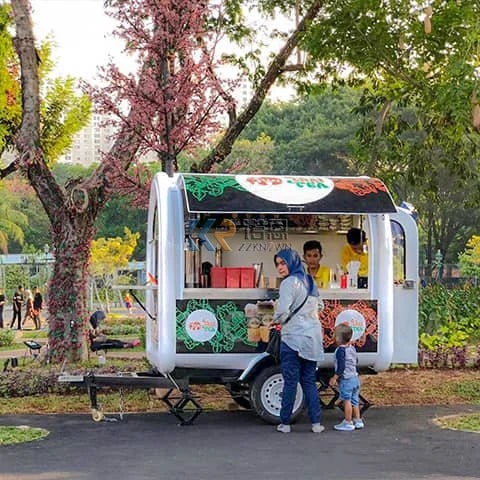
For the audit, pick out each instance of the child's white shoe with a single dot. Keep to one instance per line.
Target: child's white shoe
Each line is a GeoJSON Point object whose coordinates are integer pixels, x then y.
{"type": "Point", "coordinates": [283, 428]}
{"type": "Point", "coordinates": [358, 423]}
{"type": "Point", "coordinates": [317, 428]}
{"type": "Point", "coordinates": [345, 426]}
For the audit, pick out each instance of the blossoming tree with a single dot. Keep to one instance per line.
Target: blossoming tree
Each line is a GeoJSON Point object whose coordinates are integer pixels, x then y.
{"type": "Point", "coordinates": [169, 105]}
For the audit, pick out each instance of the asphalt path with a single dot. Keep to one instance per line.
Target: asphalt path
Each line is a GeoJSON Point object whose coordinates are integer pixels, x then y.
{"type": "Point", "coordinates": [397, 443]}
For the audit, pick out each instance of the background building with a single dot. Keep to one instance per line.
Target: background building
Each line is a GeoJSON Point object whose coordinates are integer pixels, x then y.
{"type": "Point", "coordinates": [89, 143]}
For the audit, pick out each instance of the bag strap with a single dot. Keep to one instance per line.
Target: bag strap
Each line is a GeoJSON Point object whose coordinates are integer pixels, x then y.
{"type": "Point", "coordinates": [297, 309]}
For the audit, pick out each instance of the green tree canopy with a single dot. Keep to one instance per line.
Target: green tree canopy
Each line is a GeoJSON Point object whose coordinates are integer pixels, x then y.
{"type": "Point", "coordinates": [12, 220]}
{"type": "Point", "coordinates": [311, 135]}
{"type": "Point", "coordinates": [63, 110]}
{"type": "Point", "coordinates": [470, 259]}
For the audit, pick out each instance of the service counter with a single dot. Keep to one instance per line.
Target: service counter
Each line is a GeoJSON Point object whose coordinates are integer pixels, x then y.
{"type": "Point", "coordinates": [229, 293]}
{"type": "Point", "coordinates": [269, 293]}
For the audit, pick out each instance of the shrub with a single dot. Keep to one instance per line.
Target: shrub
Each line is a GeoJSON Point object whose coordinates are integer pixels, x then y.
{"type": "Point", "coordinates": [121, 330]}
{"type": "Point", "coordinates": [118, 319]}
{"type": "Point", "coordinates": [7, 337]}
{"type": "Point", "coordinates": [449, 317]}
{"type": "Point", "coordinates": [15, 275]}
{"type": "Point", "coordinates": [442, 356]}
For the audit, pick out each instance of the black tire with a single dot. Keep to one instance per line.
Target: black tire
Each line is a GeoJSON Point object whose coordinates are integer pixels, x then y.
{"type": "Point", "coordinates": [265, 396]}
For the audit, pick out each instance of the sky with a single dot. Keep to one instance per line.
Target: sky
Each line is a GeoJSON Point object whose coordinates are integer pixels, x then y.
{"type": "Point", "coordinates": [82, 32]}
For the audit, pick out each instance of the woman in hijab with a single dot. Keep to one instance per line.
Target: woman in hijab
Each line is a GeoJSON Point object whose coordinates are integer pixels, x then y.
{"type": "Point", "coordinates": [302, 339]}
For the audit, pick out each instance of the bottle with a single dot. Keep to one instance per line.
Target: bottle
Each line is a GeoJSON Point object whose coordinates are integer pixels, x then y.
{"type": "Point", "coordinates": [333, 279]}
{"type": "Point", "coordinates": [218, 256]}
{"type": "Point", "coordinates": [343, 281]}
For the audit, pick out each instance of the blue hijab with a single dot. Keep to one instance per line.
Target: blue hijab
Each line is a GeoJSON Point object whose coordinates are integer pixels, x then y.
{"type": "Point", "coordinates": [295, 268]}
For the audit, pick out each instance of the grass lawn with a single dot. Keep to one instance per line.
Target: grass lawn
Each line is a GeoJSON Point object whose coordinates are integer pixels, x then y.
{"type": "Point", "coordinates": [34, 334]}
{"type": "Point", "coordinates": [21, 434]}
{"type": "Point", "coordinates": [469, 422]}
{"type": "Point", "coordinates": [13, 346]}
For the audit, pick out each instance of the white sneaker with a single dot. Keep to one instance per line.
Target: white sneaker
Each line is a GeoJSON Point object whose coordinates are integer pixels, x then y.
{"type": "Point", "coordinates": [358, 423]}
{"type": "Point", "coordinates": [283, 428]}
{"type": "Point", "coordinates": [345, 426]}
{"type": "Point", "coordinates": [317, 428]}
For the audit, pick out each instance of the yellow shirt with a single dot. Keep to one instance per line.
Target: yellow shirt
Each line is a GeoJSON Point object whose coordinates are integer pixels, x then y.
{"type": "Point", "coordinates": [322, 277]}
{"type": "Point", "coordinates": [349, 255]}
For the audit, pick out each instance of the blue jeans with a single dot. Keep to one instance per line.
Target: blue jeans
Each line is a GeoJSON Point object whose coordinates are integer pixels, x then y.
{"type": "Point", "coordinates": [298, 370]}
{"type": "Point", "coordinates": [350, 390]}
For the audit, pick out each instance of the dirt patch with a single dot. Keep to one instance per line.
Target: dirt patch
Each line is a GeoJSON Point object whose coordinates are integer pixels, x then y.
{"type": "Point", "coordinates": [418, 386]}
{"type": "Point", "coordinates": [396, 387]}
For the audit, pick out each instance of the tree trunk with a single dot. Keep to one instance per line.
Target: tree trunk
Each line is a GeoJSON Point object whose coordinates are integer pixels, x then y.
{"type": "Point", "coordinates": [107, 300]}
{"type": "Point", "coordinates": [428, 267]}
{"type": "Point", "coordinates": [97, 295]}
{"type": "Point", "coordinates": [120, 299]}
{"type": "Point", "coordinates": [67, 292]}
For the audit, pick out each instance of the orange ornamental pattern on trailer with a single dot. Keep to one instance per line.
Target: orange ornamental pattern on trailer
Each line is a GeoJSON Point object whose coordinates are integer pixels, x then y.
{"type": "Point", "coordinates": [360, 315]}
{"type": "Point", "coordinates": [285, 194]}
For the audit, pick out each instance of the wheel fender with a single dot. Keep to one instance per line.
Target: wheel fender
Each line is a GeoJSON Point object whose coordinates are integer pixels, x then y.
{"type": "Point", "coordinates": [257, 364]}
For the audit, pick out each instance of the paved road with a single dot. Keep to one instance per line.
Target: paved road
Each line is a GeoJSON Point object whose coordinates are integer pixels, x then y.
{"type": "Point", "coordinates": [398, 443]}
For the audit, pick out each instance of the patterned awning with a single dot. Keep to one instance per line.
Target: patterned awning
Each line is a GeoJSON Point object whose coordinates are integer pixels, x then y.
{"type": "Point", "coordinates": [284, 194]}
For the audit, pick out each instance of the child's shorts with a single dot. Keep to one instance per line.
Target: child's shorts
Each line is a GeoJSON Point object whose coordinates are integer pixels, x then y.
{"type": "Point", "coordinates": [350, 390]}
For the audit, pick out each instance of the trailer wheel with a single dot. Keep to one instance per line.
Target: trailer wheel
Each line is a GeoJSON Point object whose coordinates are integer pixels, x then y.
{"type": "Point", "coordinates": [266, 395]}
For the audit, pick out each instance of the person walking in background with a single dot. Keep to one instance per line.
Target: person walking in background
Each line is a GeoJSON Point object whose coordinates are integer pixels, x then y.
{"type": "Point", "coordinates": [301, 344]}
{"type": "Point", "coordinates": [29, 315]}
{"type": "Point", "coordinates": [37, 307]}
{"type": "Point", "coordinates": [17, 307]}
{"type": "Point", "coordinates": [2, 303]}
{"type": "Point", "coordinates": [128, 303]}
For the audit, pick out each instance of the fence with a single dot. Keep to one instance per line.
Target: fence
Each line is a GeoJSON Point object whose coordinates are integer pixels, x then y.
{"type": "Point", "coordinates": [449, 275]}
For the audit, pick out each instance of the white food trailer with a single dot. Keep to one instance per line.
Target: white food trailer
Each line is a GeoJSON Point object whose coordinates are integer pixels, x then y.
{"type": "Point", "coordinates": [210, 246]}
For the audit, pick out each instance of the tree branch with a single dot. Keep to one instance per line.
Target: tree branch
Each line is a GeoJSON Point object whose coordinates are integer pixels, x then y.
{"type": "Point", "coordinates": [13, 167]}
{"type": "Point", "coordinates": [297, 67]}
{"type": "Point", "coordinates": [27, 140]}
{"type": "Point", "coordinates": [224, 146]}
{"type": "Point", "coordinates": [28, 137]}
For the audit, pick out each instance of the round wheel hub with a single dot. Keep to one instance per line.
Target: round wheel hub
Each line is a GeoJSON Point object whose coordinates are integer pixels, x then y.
{"type": "Point", "coordinates": [271, 395]}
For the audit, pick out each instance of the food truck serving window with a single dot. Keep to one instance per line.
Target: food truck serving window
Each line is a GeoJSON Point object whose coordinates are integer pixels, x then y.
{"type": "Point", "coordinates": [285, 194]}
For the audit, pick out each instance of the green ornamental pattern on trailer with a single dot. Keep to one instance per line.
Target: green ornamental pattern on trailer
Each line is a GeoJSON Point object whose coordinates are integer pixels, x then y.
{"type": "Point", "coordinates": [202, 186]}
{"type": "Point", "coordinates": [285, 194]}
{"type": "Point", "coordinates": [229, 334]}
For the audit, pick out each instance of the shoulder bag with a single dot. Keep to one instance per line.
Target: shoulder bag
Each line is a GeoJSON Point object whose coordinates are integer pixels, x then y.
{"type": "Point", "coordinates": [275, 336]}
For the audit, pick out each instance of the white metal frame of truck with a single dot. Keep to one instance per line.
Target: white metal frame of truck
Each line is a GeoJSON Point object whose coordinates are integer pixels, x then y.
{"type": "Point", "coordinates": [179, 203]}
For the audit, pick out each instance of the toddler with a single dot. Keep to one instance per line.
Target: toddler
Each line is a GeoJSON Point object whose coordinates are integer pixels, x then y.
{"type": "Point", "coordinates": [347, 378]}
